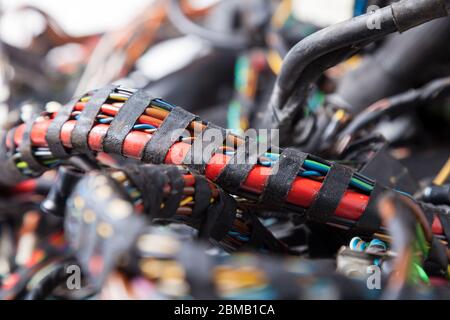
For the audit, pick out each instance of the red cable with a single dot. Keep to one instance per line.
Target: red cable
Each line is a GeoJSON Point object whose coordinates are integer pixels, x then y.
{"type": "Point", "coordinates": [25, 186]}
{"type": "Point", "coordinates": [302, 193]}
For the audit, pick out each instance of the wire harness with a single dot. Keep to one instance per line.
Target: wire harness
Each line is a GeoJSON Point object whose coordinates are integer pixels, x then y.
{"type": "Point", "coordinates": [135, 124]}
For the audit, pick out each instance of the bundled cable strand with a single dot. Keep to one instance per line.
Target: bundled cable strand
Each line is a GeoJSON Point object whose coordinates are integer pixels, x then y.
{"type": "Point", "coordinates": [101, 221]}
{"type": "Point", "coordinates": [135, 124]}
{"type": "Point", "coordinates": [101, 224]}
{"type": "Point", "coordinates": [169, 193]}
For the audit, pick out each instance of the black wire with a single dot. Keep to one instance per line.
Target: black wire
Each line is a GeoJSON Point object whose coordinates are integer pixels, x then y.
{"type": "Point", "coordinates": [46, 286]}
{"type": "Point", "coordinates": [292, 111]}
{"type": "Point", "coordinates": [399, 104]}
{"type": "Point", "coordinates": [292, 81]}
{"type": "Point", "coordinates": [83, 163]}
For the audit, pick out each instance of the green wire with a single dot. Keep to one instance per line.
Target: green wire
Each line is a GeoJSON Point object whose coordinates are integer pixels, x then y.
{"type": "Point", "coordinates": [234, 117]}
{"type": "Point", "coordinates": [420, 245]}
{"type": "Point", "coordinates": [48, 162]}
{"type": "Point", "coordinates": [421, 241]}
{"type": "Point", "coordinates": [241, 68]}
{"type": "Point", "coordinates": [323, 168]}
{"type": "Point", "coordinates": [363, 185]}
{"type": "Point", "coordinates": [421, 273]}
{"type": "Point", "coordinates": [22, 165]}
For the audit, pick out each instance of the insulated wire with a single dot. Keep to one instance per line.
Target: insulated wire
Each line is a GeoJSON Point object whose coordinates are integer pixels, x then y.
{"type": "Point", "coordinates": [304, 187]}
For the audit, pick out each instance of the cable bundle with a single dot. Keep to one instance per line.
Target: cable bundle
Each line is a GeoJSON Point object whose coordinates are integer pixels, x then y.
{"type": "Point", "coordinates": [170, 194]}
{"type": "Point", "coordinates": [134, 124]}
{"type": "Point", "coordinates": [101, 222]}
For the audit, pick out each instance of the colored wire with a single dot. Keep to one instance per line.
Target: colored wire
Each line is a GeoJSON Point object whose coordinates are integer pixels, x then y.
{"type": "Point", "coordinates": [302, 193]}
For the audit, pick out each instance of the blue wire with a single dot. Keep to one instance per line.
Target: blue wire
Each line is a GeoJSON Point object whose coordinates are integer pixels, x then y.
{"type": "Point", "coordinates": [238, 235]}
{"type": "Point", "coordinates": [143, 127]}
{"type": "Point", "coordinates": [404, 193]}
{"type": "Point", "coordinates": [265, 163]}
{"type": "Point", "coordinates": [105, 120]}
{"type": "Point", "coordinates": [163, 104]}
{"type": "Point", "coordinates": [311, 174]}
{"type": "Point", "coordinates": [272, 156]}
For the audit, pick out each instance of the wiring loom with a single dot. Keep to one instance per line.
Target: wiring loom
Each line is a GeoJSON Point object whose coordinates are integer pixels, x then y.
{"type": "Point", "coordinates": [201, 205]}
{"type": "Point", "coordinates": [52, 135]}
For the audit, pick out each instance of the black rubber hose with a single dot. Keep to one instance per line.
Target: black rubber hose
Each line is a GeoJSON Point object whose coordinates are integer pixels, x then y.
{"type": "Point", "coordinates": [399, 16]}
{"type": "Point", "coordinates": [403, 61]}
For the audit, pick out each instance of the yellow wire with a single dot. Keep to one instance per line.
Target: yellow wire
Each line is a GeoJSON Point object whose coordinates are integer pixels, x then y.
{"type": "Point", "coordinates": [119, 176]}
{"type": "Point", "coordinates": [186, 201]}
{"type": "Point", "coordinates": [340, 115]}
{"type": "Point", "coordinates": [443, 175]}
{"type": "Point", "coordinates": [282, 13]}
{"type": "Point", "coordinates": [232, 279]}
{"type": "Point", "coordinates": [275, 61]}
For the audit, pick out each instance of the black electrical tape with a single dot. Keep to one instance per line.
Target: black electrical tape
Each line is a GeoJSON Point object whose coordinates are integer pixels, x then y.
{"type": "Point", "coordinates": [202, 197]}
{"type": "Point", "coordinates": [225, 219]}
{"type": "Point", "coordinates": [172, 201]}
{"type": "Point", "coordinates": [150, 180]}
{"type": "Point", "coordinates": [445, 222]}
{"type": "Point", "coordinates": [162, 140]}
{"type": "Point", "coordinates": [25, 148]}
{"type": "Point", "coordinates": [258, 233]}
{"type": "Point", "coordinates": [125, 120]}
{"type": "Point", "coordinates": [219, 218]}
{"type": "Point", "coordinates": [238, 168]}
{"type": "Point", "coordinates": [53, 135]}
{"type": "Point", "coordinates": [330, 194]}
{"type": "Point", "coordinates": [370, 220]}
{"type": "Point", "coordinates": [87, 119]}
{"type": "Point", "coordinates": [212, 220]}
{"type": "Point", "coordinates": [196, 159]}
{"type": "Point", "coordinates": [208, 223]}
{"type": "Point", "coordinates": [279, 184]}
